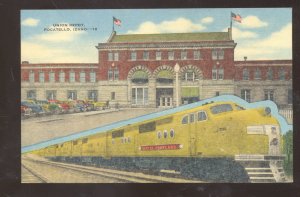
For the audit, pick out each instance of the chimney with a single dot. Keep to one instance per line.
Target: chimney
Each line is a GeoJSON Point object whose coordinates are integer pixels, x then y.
{"type": "Point", "coordinates": [245, 58]}
{"type": "Point", "coordinates": [25, 62]}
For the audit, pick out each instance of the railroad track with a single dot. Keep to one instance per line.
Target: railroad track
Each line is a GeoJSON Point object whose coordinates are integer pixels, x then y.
{"type": "Point", "coordinates": [30, 176]}
{"type": "Point", "coordinates": [120, 176]}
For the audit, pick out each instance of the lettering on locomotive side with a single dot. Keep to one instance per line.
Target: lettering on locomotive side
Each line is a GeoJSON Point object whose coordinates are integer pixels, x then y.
{"type": "Point", "coordinates": [161, 147]}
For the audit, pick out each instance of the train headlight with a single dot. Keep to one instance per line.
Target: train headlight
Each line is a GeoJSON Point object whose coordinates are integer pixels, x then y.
{"type": "Point", "coordinates": [267, 111]}
{"type": "Point", "coordinates": [259, 129]}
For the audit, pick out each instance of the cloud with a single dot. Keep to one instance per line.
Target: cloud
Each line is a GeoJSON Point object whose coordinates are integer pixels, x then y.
{"type": "Point", "coordinates": [41, 52]}
{"type": "Point", "coordinates": [30, 22]}
{"type": "Point", "coordinates": [207, 20]}
{"type": "Point", "coordinates": [277, 46]}
{"type": "Point", "coordinates": [180, 25]}
{"type": "Point", "coordinates": [252, 22]}
{"type": "Point", "coordinates": [239, 34]}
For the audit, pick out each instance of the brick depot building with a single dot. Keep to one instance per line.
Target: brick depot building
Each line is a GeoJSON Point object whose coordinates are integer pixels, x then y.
{"type": "Point", "coordinates": [138, 71]}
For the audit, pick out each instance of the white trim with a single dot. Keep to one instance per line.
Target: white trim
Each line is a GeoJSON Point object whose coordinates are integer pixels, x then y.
{"type": "Point", "coordinates": [53, 67]}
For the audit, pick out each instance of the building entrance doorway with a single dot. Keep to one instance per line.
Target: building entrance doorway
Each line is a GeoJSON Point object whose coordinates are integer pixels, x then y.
{"type": "Point", "coordinates": [164, 97]}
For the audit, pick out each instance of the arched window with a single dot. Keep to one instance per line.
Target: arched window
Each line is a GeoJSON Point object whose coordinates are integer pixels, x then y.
{"type": "Point", "coordinates": [189, 75]}
{"type": "Point", "coordinates": [245, 74]}
{"type": "Point", "coordinates": [140, 77]}
{"type": "Point", "coordinates": [165, 76]}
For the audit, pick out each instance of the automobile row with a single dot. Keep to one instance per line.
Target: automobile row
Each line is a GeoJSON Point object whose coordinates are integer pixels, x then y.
{"type": "Point", "coordinates": [31, 108]}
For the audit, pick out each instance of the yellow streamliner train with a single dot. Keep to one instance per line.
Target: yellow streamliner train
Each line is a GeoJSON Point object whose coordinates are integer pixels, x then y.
{"type": "Point", "coordinates": [214, 142]}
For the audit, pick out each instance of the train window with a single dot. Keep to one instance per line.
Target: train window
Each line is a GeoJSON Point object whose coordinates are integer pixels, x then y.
{"type": "Point", "coordinates": [172, 133]}
{"type": "Point", "coordinates": [129, 140]}
{"type": "Point", "coordinates": [125, 140]}
{"type": "Point", "coordinates": [192, 118]}
{"type": "Point", "coordinates": [118, 133]}
{"type": "Point", "coordinates": [159, 134]}
{"type": "Point", "coordinates": [221, 108]}
{"type": "Point", "coordinates": [151, 126]}
{"type": "Point", "coordinates": [84, 141]}
{"type": "Point", "coordinates": [165, 133]}
{"type": "Point", "coordinates": [202, 116]}
{"type": "Point", "coordinates": [185, 120]}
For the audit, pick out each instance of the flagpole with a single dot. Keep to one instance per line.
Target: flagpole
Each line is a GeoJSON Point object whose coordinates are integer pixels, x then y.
{"type": "Point", "coordinates": [231, 20]}
{"type": "Point", "coordinates": [113, 25]}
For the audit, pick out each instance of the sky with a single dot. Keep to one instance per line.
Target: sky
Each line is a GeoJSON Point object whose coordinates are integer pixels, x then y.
{"type": "Point", "coordinates": [263, 34]}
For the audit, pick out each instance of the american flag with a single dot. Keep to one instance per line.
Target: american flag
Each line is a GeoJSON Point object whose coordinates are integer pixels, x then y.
{"type": "Point", "coordinates": [117, 21]}
{"type": "Point", "coordinates": [236, 17]}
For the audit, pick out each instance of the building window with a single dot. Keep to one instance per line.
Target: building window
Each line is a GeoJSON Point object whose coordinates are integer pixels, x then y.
{"type": "Point", "coordinates": [221, 73]}
{"type": "Point", "coordinates": [72, 77]}
{"type": "Point", "coordinates": [110, 74]}
{"type": "Point", "coordinates": [51, 94]}
{"type": "Point", "coordinates": [116, 56]}
{"type": "Point", "coordinates": [93, 77]}
{"type": "Point", "coordinates": [41, 77]}
{"type": "Point", "coordinates": [113, 95]}
{"type": "Point", "coordinates": [183, 55]}
{"type": "Point", "coordinates": [245, 94]}
{"type": "Point", "coordinates": [31, 76]}
{"type": "Point", "coordinates": [217, 93]}
{"type": "Point", "coordinates": [197, 55]}
{"type": "Point", "coordinates": [290, 96]}
{"type": "Point", "coordinates": [281, 74]}
{"type": "Point", "coordinates": [116, 74]}
{"type": "Point", "coordinates": [72, 94]}
{"type": "Point", "coordinates": [269, 95]}
{"type": "Point", "coordinates": [158, 55]}
{"type": "Point", "coordinates": [110, 56]}
{"type": "Point", "coordinates": [270, 74]}
{"type": "Point", "coordinates": [52, 77]}
{"type": "Point", "coordinates": [257, 74]}
{"type": "Point", "coordinates": [133, 56]}
{"type": "Point", "coordinates": [93, 95]}
{"type": "Point", "coordinates": [214, 73]}
{"type": "Point", "coordinates": [171, 55]}
{"type": "Point", "coordinates": [189, 75]}
{"type": "Point", "coordinates": [139, 96]}
{"type": "Point", "coordinates": [31, 94]}
{"type": "Point", "coordinates": [146, 55]}
{"type": "Point", "coordinates": [62, 77]}
{"type": "Point", "coordinates": [82, 77]}
{"type": "Point", "coordinates": [245, 74]}
{"type": "Point", "coordinates": [217, 54]}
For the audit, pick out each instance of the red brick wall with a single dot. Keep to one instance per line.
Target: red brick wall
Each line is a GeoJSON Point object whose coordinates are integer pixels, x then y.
{"type": "Point", "coordinates": [205, 64]}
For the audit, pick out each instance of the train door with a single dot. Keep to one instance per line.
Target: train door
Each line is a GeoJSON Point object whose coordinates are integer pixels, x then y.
{"type": "Point", "coordinates": [192, 133]}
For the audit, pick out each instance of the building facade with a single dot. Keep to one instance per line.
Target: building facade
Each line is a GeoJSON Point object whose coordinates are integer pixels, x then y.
{"type": "Point", "coordinates": [139, 71]}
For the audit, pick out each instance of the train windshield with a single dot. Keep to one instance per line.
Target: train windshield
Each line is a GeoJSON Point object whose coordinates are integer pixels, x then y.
{"type": "Point", "coordinates": [221, 108]}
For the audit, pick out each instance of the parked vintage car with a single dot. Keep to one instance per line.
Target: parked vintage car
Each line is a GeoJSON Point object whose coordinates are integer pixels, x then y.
{"type": "Point", "coordinates": [25, 111]}
{"type": "Point", "coordinates": [44, 104]}
{"type": "Point", "coordinates": [54, 106]}
{"type": "Point", "coordinates": [35, 109]}
{"type": "Point", "coordinates": [100, 105]}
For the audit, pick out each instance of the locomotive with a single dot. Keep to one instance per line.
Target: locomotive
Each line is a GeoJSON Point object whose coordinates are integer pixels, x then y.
{"type": "Point", "coordinates": [214, 142]}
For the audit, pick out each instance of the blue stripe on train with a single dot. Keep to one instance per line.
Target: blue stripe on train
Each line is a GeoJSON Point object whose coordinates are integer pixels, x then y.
{"type": "Point", "coordinates": [283, 123]}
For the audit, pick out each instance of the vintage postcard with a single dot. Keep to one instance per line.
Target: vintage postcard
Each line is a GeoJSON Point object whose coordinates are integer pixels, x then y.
{"type": "Point", "coordinates": [157, 95]}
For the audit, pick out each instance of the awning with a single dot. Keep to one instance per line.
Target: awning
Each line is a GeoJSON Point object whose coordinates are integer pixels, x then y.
{"type": "Point", "coordinates": [190, 92]}
{"type": "Point", "coordinates": [165, 74]}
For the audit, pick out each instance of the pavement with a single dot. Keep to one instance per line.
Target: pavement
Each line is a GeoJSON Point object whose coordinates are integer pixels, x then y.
{"type": "Point", "coordinates": [38, 129]}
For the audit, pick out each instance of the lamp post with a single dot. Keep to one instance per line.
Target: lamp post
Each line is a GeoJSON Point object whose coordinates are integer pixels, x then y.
{"type": "Point", "coordinates": [176, 69]}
